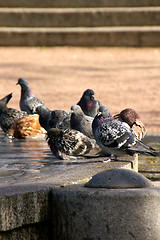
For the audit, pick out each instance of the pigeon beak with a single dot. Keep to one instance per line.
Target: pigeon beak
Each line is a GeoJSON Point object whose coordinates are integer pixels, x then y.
{"type": "Point", "coordinates": [17, 83]}
{"type": "Point", "coordinates": [98, 114]}
{"type": "Point", "coordinates": [71, 112]}
{"type": "Point", "coordinates": [92, 97]}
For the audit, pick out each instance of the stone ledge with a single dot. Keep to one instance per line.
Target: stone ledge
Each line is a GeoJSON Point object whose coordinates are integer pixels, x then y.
{"type": "Point", "coordinates": [86, 17]}
{"type": "Point", "coordinates": [78, 3]}
{"type": "Point", "coordinates": [107, 36]}
{"type": "Point", "coordinates": [23, 206]}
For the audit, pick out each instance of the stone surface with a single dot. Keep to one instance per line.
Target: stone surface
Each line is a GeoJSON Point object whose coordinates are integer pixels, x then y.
{"type": "Point", "coordinates": [23, 206]}
{"type": "Point", "coordinates": [77, 3]}
{"type": "Point", "coordinates": [29, 232]}
{"type": "Point", "coordinates": [82, 213]}
{"type": "Point", "coordinates": [84, 37]}
{"type": "Point", "coordinates": [80, 24]}
{"type": "Point", "coordinates": [79, 17]}
{"type": "Point", "coordinates": [118, 178]}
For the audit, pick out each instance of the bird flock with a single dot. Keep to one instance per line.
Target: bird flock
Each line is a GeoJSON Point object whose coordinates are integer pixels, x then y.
{"type": "Point", "coordinates": [89, 130]}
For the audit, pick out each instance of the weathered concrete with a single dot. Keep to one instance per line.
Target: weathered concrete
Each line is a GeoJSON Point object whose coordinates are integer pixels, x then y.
{"type": "Point", "coordinates": [80, 213]}
{"type": "Point", "coordinates": [79, 17]}
{"type": "Point", "coordinates": [115, 36]}
{"type": "Point", "coordinates": [78, 3]}
{"type": "Point", "coordinates": [36, 231]}
{"type": "Point", "coordinates": [23, 205]}
{"type": "Point", "coordinates": [118, 178]}
{"type": "Point", "coordinates": [25, 213]}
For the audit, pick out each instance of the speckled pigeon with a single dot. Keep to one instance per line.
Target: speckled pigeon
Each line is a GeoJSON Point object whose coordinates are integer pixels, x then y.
{"type": "Point", "coordinates": [81, 122]}
{"type": "Point", "coordinates": [28, 101]}
{"type": "Point", "coordinates": [88, 104]}
{"type": "Point", "coordinates": [8, 115]}
{"type": "Point", "coordinates": [53, 119]}
{"type": "Point", "coordinates": [71, 144]}
{"type": "Point", "coordinates": [131, 117]}
{"type": "Point", "coordinates": [116, 137]}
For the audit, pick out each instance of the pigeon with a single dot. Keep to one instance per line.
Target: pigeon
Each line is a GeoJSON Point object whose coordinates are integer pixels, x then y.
{"type": "Point", "coordinates": [8, 115]}
{"type": "Point", "coordinates": [88, 104]}
{"type": "Point", "coordinates": [53, 119]}
{"type": "Point", "coordinates": [70, 144]}
{"type": "Point", "coordinates": [131, 117]}
{"type": "Point", "coordinates": [81, 122]}
{"type": "Point", "coordinates": [26, 126]}
{"type": "Point", "coordinates": [116, 137]}
{"type": "Point", "coordinates": [28, 101]}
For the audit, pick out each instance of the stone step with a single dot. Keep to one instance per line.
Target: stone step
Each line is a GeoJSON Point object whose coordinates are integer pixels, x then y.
{"type": "Point", "coordinates": [86, 17]}
{"type": "Point", "coordinates": [78, 3]}
{"type": "Point", "coordinates": [98, 36]}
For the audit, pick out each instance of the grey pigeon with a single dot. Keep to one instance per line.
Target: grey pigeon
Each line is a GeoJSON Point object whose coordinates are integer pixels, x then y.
{"type": "Point", "coordinates": [8, 116]}
{"type": "Point", "coordinates": [133, 119]}
{"type": "Point", "coordinates": [116, 137]}
{"type": "Point", "coordinates": [81, 122]}
{"type": "Point", "coordinates": [71, 144]}
{"type": "Point", "coordinates": [53, 119]}
{"type": "Point", "coordinates": [88, 104]}
{"type": "Point", "coordinates": [28, 101]}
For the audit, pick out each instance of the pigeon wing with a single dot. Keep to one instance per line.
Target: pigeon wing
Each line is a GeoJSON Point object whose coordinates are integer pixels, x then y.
{"type": "Point", "coordinates": [115, 134]}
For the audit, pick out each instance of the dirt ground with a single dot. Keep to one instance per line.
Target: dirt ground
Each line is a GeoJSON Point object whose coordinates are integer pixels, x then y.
{"type": "Point", "coordinates": [120, 77]}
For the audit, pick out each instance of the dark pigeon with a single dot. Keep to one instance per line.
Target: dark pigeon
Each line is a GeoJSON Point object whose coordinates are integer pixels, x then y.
{"type": "Point", "coordinates": [88, 104]}
{"type": "Point", "coordinates": [53, 119]}
{"type": "Point", "coordinates": [8, 116]}
{"type": "Point", "coordinates": [28, 101]}
{"type": "Point", "coordinates": [4, 101]}
{"type": "Point", "coordinates": [81, 122]}
{"type": "Point", "coordinates": [71, 144]}
{"type": "Point", "coordinates": [133, 119]}
{"type": "Point", "coordinates": [116, 137]}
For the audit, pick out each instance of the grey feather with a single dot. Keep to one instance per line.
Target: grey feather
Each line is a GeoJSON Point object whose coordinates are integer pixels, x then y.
{"type": "Point", "coordinates": [81, 122]}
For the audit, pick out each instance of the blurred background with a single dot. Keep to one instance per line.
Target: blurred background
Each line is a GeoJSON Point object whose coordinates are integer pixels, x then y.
{"type": "Point", "coordinates": [65, 47]}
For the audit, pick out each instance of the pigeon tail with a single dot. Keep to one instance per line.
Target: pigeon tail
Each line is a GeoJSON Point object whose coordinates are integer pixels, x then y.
{"type": "Point", "coordinates": [4, 101]}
